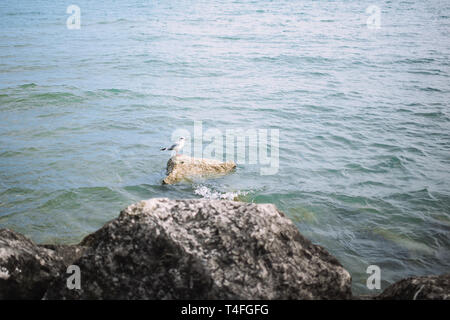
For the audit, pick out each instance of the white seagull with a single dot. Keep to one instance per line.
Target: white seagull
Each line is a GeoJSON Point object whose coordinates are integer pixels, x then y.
{"type": "Point", "coordinates": [176, 146]}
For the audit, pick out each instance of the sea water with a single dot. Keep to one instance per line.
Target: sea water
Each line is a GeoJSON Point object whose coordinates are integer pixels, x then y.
{"type": "Point", "coordinates": [360, 97]}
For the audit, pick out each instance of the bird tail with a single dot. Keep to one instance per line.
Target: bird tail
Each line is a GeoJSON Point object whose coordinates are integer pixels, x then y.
{"type": "Point", "coordinates": [163, 149]}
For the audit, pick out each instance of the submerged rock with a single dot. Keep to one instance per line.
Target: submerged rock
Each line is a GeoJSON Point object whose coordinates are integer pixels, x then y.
{"type": "Point", "coordinates": [203, 249]}
{"type": "Point", "coordinates": [419, 288]}
{"type": "Point", "coordinates": [183, 167]}
{"type": "Point", "coordinates": [27, 269]}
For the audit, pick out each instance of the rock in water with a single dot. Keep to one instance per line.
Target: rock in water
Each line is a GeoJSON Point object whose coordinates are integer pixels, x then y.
{"type": "Point", "coordinates": [184, 167]}
{"type": "Point", "coordinates": [26, 269]}
{"type": "Point", "coordinates": [419, 288]}
{"type": "Point", "coordinates": [203, 249]}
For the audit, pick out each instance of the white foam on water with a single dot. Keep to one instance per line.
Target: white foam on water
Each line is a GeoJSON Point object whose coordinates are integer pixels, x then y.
{"type": "Point", "coordinates": [210, 193]}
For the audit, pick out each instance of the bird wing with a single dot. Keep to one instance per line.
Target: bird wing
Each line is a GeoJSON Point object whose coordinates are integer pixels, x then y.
{"type": "Point", "coordinates": [173, 146]}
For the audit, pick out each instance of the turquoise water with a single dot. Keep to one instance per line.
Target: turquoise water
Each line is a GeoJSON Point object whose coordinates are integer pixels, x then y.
{"type": "Point", "coordinates": [363, 116]}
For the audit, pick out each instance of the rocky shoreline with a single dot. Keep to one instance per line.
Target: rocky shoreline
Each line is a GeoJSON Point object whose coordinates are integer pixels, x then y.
{"type": "Point", "coordinates": [190, 249]}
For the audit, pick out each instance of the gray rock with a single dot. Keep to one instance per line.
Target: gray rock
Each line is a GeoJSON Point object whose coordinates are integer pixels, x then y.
{"type": "Point", "coordinates": [203, 249]}
{"type": "Point", "coordinates": [26, 269]}
{"type": "Point", "coordinates": [68, 253]}
{"type": "Point", "coordinates": [183, 167]}
{"type": "Point", "coordinates": [419, 288]}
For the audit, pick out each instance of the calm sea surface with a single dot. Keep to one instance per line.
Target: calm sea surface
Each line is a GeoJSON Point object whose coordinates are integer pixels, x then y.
{"type": "Point", "coordinates": [363, 116]}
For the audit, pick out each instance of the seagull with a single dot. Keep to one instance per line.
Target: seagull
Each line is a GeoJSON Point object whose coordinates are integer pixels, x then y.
{"type": "Point", "coordinates": [176, 146]}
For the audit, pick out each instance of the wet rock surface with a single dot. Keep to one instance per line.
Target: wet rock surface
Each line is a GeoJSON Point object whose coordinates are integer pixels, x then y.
{"type": "Point", "coordinates": [183, 167]}
{"type": "Point", "coordinates": [204, 249]}
{"type": "Point", "coordinates": [27, 269]}
{"type": "Point", "coordinates": [419, 288]}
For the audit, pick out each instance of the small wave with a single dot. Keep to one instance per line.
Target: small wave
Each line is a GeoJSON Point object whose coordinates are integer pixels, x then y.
{"type": "Point", "coordinates": [436, 114]}
{"type": "Point", "coordinates": [23, 13]}
{"type": "Point", "coordinates": [430, 89]}
{"type": "Point", "coordinates": [54, 96]}
{"type": "Point", "coordinates": [426, 72]}
{"type": "Point", "coordinates": [113, 92]}
{"type": "Point", "coordinates": [415, 60]}
{"type": "Point", "coordinates": [390, 162]}
{"type": "Point", "coordinates": [28, 85]}
{"type": "Point", "coordinates": [209, 193]}
{"type": "Point", "coordinates": [293, 59]}
{"type": "Point", "coordinates": [114, 21]}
